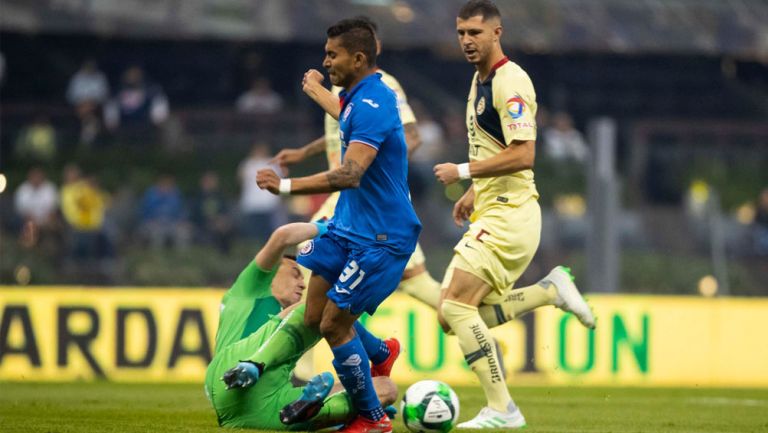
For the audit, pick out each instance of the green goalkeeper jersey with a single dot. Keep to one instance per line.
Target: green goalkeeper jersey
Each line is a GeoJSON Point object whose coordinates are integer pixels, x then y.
{"type": "Point", "coordinates": [248, 318]}
{"type": "Point", "coordinates": [259, 405]}
{"type": "Point", "coordinates": [246, 306]}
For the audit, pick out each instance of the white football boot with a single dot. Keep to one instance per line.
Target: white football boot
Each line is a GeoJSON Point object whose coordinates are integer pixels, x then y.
{"type": "Point", "coordinates": [568, 297]}
{"type": "Point", "coordinates": [493, 419]}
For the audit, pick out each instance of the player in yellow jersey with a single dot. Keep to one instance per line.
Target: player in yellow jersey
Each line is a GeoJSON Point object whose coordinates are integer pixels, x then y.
{"type": "Point", "coordinates": [504, 215]}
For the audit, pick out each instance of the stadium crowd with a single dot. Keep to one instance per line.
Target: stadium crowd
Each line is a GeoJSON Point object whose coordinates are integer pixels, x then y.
{"type": "Point", "coordinates": [165, 150]}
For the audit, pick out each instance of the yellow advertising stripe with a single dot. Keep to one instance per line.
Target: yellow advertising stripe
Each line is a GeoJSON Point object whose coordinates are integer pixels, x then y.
{"type": "Point", "coordinates": [140, 335]}
{"type": "Point", "coordinates": [120, 334]}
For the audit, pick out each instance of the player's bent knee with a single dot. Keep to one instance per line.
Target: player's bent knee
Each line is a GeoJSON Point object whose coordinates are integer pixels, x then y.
{"type": "Point", "coordinates": [333, 333]}
{"type": "Point", "coordinates": [441, 319]}
{"type": "Point", "coordinates": [453, 311]}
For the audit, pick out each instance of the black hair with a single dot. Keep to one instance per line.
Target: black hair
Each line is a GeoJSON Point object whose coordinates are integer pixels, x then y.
{"type": "Point", "coordinates": [356, 35]}
{"type": "Point", "coordinates": [484, 8]}
{"type": "Point", "coordinates": [369, 21]}
{"type": "Point", "coordinates": [289, 257]}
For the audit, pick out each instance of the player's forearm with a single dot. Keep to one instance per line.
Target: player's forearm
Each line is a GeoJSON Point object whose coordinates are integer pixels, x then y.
{"type": "Point", "coordinates": [469, 194]}
{"type": "Point", "coordinates": [515, 158]}
{"type": "Point", "coordinates": [325, 99]}
{"type": "Point", "coordinates": [314, 147]}
{"type": "Point", "coordinates": [282, 238]}
{"type": "Point", "coordinates": [295, 233]}
{"type": "Point", "coordinates": [412, 138]}
{"type": "Point", "coordinates": [345, 177]}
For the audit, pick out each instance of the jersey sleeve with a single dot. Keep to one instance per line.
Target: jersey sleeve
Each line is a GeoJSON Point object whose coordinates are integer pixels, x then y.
{"type": "Point", "coordinates": [254, 281]}
{"type": "Point", "coordinates": [370, 123]}
{"type": "Point", "coordinates": [515, 101]}
{"type": "Point", "coordinates": [406, 112]}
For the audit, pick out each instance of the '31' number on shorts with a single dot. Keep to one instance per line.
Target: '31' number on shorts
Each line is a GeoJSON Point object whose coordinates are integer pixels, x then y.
{"type": "Point", "coordinates": [348, 272]}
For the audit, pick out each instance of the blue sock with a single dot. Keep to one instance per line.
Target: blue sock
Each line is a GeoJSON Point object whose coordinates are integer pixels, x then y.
{"type": "Point", "coordinates": [351, 364]}
{"type": "Point", "coordinates": [375, 348]}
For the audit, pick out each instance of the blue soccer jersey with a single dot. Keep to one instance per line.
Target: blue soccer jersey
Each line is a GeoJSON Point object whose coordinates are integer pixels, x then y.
{"type": "Point", "coordinates": [379, 212]}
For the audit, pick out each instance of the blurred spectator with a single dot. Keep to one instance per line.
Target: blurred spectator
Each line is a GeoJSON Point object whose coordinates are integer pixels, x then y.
{"type": "Point", "coordinates": [455, 135]}
{"type": "Point", "coordinates": [211, 215]}
{"type": "Point", "coordinates": [542, 123]}
{"type": "Point", "coordinates": [761, 224]}
{"type": "Point", "coordinates": [122, 218]}
{"type": "Point", "coordinates": [84, 205]}
{"type": "Point", "coordinates": [88, 90]}
{"type": "Point", "coordinates": [36, 199]}
{"type": "Point", "coordinates": [163, 217]}
{"type": "Point", "coordinates": [432, 135]}
{"type": "Point", "coordinates": [260, 99]}
{"type": "Point", "coordinates": [564, 142]}
{"type": "Point", "coordinates": [138, 105]}
{"type": "Point", "coordinates": [37, 141]}
{"type": "Point", "coordinates": [261, 210]}
{"type": "Point", "coordinates": [36, 203]}
{"type": "Point", "coordinates": [455, 124]}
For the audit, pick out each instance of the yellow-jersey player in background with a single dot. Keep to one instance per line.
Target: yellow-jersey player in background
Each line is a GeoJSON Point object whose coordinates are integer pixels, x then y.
{"type": "Point", "coordinates": [416, 280]}
{"type": "Point", "coordinates": [504, 215]}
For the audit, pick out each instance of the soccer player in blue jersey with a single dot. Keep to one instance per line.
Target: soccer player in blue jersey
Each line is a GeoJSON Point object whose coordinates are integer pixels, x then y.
{"type": "Point", "coordinates": [360, 260]}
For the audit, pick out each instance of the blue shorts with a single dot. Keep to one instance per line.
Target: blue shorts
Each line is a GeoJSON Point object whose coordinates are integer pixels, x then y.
{"type": "Point", "coordinates": [361, 277]}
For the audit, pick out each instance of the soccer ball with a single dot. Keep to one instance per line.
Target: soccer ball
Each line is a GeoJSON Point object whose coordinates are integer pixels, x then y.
{"type": "Point", "coordinates": [430, 406]}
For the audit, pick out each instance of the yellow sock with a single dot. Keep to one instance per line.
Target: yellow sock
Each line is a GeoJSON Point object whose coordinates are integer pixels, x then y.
{"type": "Point", "coordinates": [479, 351]}
{"type": "Point", "coordinates": [519, 302]}
{"type": "Point", "coordinates": [422, 287]}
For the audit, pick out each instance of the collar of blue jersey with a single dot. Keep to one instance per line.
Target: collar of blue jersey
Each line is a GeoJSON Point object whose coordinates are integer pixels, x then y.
{"type": "Point", "coordinates": [347, 96]}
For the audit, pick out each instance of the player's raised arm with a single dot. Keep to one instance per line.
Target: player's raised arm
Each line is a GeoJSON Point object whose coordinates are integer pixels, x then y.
{"type": "Point", "coordinates": [292, 156]}
{"type": "Point", "coordinates": [356, 160]}
{"type": "Point", "coordinates": [284, 237]}
{"type": "Point", "coordinates": [312, 85]}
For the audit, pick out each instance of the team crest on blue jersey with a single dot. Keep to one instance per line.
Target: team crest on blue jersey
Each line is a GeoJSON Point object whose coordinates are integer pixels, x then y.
{"type": "Point", "coordinates": [515, 107]}
{"type": "Point", "coordinates": [346, 112]}
{"type": "Point", "coordinates": [307, 249]}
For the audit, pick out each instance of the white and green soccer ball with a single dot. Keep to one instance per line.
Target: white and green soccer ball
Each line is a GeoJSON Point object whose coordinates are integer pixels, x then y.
{"type": "Point", "coordinates": [430, 406]}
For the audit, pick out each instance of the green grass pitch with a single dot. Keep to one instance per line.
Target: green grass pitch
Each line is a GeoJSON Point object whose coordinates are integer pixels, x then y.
{"type": "Point", "coordinates": [110, 407]}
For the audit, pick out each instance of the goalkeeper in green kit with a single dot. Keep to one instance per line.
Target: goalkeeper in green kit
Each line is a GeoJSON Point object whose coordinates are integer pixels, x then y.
{"type": "Point", "coordinates": [261, 335]}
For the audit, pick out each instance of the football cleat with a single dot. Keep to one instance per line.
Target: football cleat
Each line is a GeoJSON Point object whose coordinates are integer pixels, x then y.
{"type": "Point", "coordinates": [243, 375]}
{"type": "Point", "coordinates": [364, 425]}
{"type": "Point", "coordinates": [391, 412]}
{"type": "Point", "coordinates": [310, 402]}
{"type": "Point", "coordinates": [568, 296]}
{"type": "Point", "coordinates": [385, 368]}
{"type": "Point", "coordinates": [492, 419]}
